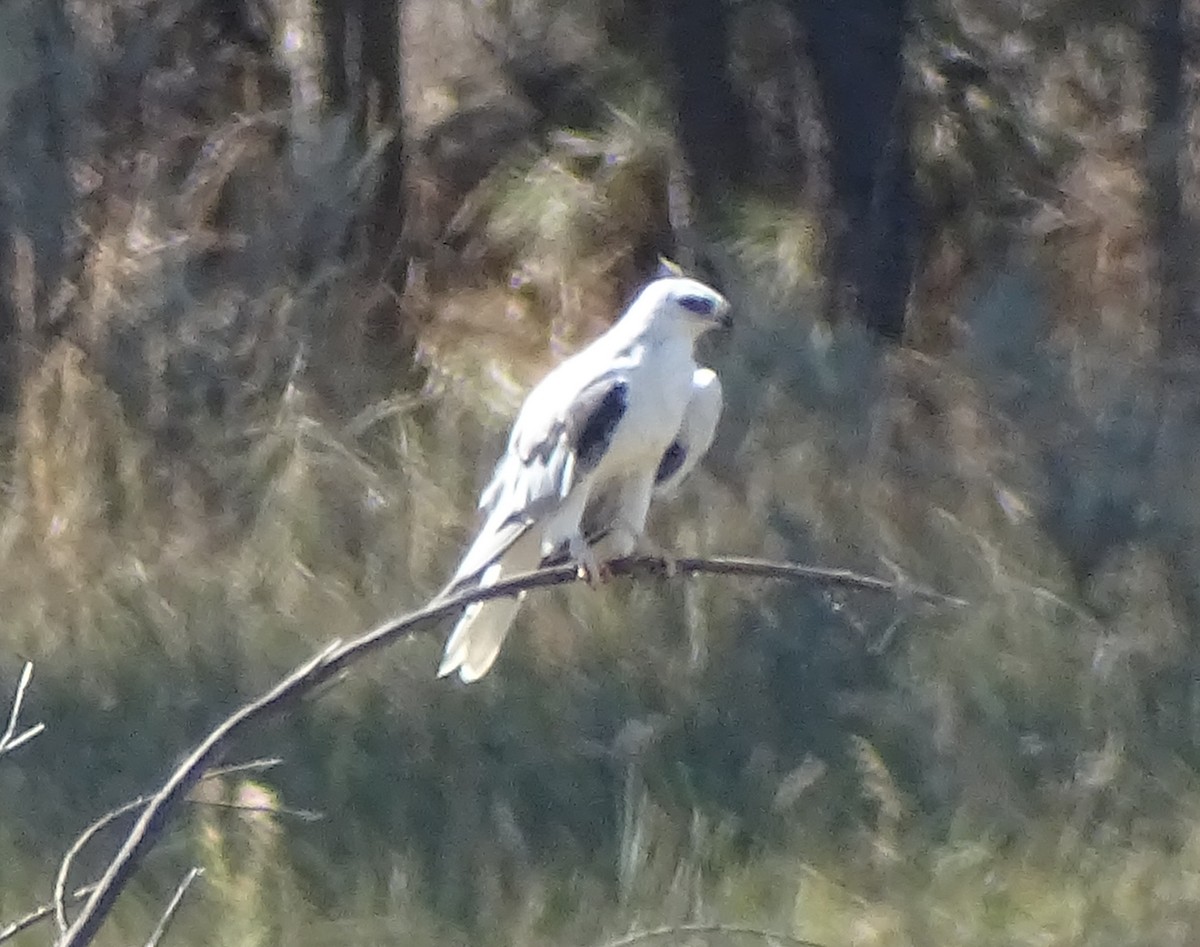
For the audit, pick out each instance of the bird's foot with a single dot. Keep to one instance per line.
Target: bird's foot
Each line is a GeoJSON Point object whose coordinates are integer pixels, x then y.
{"type": "Point", "coordinates": [588, 567]}
{"type": "Point", "coordinates": [596, 574]}
{"type": "Point", "coordinates": [670, 564]}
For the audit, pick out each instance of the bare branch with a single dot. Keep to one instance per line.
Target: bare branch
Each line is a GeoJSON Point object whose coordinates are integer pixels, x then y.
{"type": "Point", "coordinates": [256, 766]}
{"type": "Point", "coordinates": [10, 931]}
{"type": "Point", "coordinates": [64, 868]}
{"type": "Point", "coordinates": [23, 738]}
{"type": "Point", "coordinates": [9, 742]}
{"type": "Point", "coordinates": [153, 820]}
{"type": "Point", "coordinates": [172, 906]}
{"type": "Point", "coordinates": [57, 907]}
{"type": "Point", "coordinates": [766, 569]}
{"type": "Point", "coordinates": [270, 762]}
{"type": "Point", "coordinates": [336, 657]}
{"type": "Point", "coordinates": [304, 815]}
{"type": "Point", "coordinates": [729, 930]}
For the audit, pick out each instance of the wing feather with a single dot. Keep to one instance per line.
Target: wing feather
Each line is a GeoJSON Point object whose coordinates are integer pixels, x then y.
{"type": "Point", "coordinates": [696, 432]}
{"type": "Point", "coordinates": [689, 446]}
{"type": "Point", "coordinates": [552, 446]}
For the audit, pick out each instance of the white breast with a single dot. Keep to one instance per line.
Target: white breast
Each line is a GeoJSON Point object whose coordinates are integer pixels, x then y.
{"type": "Point", "coordinates": [660, 381]}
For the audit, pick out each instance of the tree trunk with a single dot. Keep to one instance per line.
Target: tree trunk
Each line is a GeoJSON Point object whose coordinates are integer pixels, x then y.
{"type": "Point", "coordinates": [1165, 138]}
{"type": "Point", "coordinates": [713, 124]}
{"type": "Point", "coordinates": [363, 74]}
{"type": "Point", "coordinates": [857, 52]}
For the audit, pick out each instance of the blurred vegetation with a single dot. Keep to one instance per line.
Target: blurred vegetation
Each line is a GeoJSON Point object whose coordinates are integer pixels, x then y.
{"type": "Point", "coordinates": [274, 277]}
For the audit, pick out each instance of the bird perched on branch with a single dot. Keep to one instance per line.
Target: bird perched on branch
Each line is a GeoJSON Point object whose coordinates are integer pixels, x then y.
{"type": "Point", "coordinates": [691, 443]}
{"type": "Point", "coordinates": [629, 415]}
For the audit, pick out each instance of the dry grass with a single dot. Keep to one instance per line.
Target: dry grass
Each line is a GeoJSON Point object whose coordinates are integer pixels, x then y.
{"type": "Point", "coordinates": [214, 468]}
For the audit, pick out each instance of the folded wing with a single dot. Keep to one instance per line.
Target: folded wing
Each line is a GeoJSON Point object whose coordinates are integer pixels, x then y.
{"type": "Point", "coordinates": [536, 497]}
{"type": "Point", "coordinates": [695, 435]}
{"type": "Point", "coordinates": [686, 450]}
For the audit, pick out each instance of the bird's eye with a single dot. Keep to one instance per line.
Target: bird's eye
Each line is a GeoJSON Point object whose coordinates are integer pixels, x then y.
{"type": "Point", "coordinates": [697, 304]}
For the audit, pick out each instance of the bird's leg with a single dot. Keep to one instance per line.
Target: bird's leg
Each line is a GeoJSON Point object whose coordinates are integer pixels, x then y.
{"type": "Point", "coordinates": [623, 540]}
{"type": "Point", "coordinates": [590, 569]}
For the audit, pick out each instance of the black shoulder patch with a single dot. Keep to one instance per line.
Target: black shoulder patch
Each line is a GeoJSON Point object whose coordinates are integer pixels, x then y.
{"type": "Point", "coordinates": [597, 420]}
{"type": "Point", "coordinates": [672, 459]}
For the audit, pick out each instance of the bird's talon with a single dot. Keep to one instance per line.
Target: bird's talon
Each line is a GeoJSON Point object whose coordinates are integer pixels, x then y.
{"type": "Point", "coordinates": [594, 573]}
{"type": "Point", "coordinates": [589, 568]}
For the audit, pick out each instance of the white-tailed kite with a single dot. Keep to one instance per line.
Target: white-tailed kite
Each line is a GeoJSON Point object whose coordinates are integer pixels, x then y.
{"type": "Point", "coordinates": [601, 426]}
{"type": "Point", "coordinates": [688, 448]}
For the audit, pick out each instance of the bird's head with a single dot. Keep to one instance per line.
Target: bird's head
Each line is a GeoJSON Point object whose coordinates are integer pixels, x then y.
{"type": "Point", "coordinates": [680, 303]}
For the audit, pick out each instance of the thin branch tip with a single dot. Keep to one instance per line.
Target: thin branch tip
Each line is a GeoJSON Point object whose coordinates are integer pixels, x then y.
{"type": "Point", "coordinates": [10, 739]}
{"type": "Point", "coordinates": [727, 930]}
{"type": "Point", "coordinates": [172, 907]}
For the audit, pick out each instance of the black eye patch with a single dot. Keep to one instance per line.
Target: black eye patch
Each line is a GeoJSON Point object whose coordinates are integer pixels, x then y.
{"type": "Point", "coordinates": [697, 304]}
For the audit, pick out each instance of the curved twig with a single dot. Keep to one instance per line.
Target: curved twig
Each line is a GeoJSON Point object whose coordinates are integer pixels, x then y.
{"type": "Point", "coordinates": [337, 656]}
{"type": "Point", "coordinates": [64, 867]}
{"type": "Point", "coordinates": [11, 930]}
{"type": "Point", "coordinates": [732, 930]}
{"type": "Point", "coordinates": [57, 906]}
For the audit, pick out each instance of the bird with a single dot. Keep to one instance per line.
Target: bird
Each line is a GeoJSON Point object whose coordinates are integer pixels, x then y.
{"type": "Point", "coordinates": [688, 448]}
{"type": "Point", "coordinates": [593, 438]}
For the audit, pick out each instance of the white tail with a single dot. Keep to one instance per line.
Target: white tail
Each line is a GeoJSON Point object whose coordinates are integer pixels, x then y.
{"type": "Point", "coordinates": [475, 642]}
